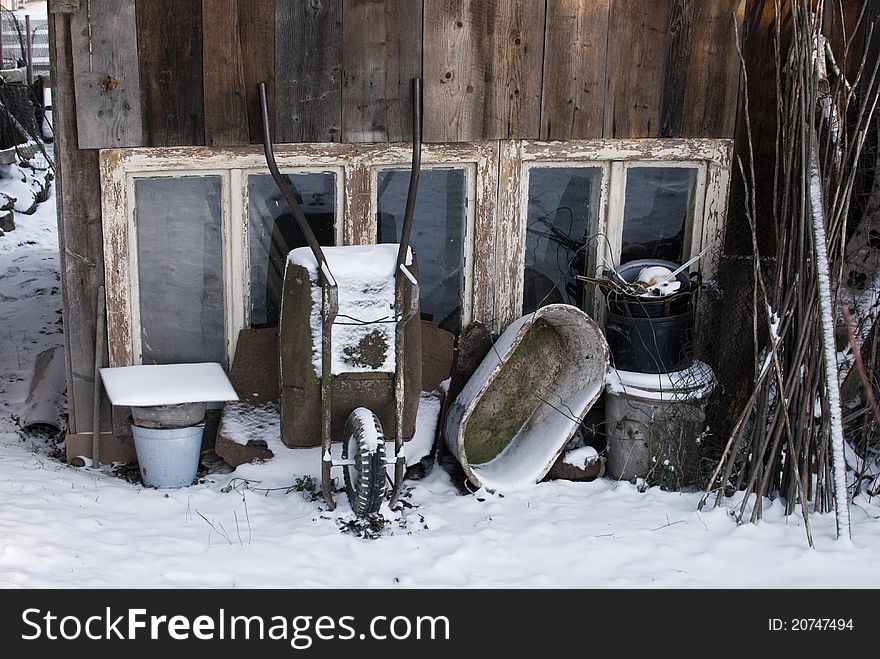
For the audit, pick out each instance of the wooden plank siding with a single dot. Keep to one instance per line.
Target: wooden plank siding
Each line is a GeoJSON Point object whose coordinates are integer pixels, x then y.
{"type": "Point", "coordinates": [712, 89]}
{"type": "Point", "coordinates": [105, 74]}
{"type": "Point", "coordinates": [256, 23]}
{"type": "Point", "coordinates": [223, 68]}
{"type": "Point", "coordinates": [79, 231]}
{"type": "Point", "coordinates": [574, 84]}
{"type": "Point", "coordinates": [308, 70]}
{"type": "Point", "coordinates": [482, 69]}
{"type": "Point", "coordinates": [636, 57]}
{"type": "Point", "coordinates": [382, 52]}
{"type": "Point", "coordinates": [169, 36]}
{"type": "Point", "coordinates": [679, 34]}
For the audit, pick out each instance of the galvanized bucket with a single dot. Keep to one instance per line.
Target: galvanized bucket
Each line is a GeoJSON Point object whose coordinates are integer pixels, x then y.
{"type": "Point", "coordinates": [654, 421]}
{"type": "Point", "coordinates": [168, 457]}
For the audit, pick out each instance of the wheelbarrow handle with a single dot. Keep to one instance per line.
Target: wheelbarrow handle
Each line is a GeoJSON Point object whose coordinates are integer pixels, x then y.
{"type": "Point", "coordinates": [415, 170]}
{"type": "Point", "coordinates": [286, 191]}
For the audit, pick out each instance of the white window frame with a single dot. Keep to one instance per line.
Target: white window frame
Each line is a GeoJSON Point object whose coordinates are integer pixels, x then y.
{"type": "Point", "coordinates": [711, 158]}
{"type": "Point", "coordinates": [356, 167]}
{"type": "Point", "coordinates": [494, 237]}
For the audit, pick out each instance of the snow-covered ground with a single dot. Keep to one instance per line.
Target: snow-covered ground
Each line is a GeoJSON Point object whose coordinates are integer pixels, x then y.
{"type": "Point", "coordinates": [69, 527]}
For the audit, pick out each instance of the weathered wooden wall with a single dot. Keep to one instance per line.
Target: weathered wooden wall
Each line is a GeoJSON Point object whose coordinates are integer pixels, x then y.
{"type": "Point", "coordinates": [186, 72]}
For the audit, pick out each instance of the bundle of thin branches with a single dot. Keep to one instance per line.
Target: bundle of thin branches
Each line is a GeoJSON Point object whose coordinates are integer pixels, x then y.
{"type": "Point", "coordinates": [781, 443]}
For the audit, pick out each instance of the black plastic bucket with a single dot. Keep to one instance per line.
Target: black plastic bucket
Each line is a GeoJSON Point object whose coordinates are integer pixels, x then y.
{"type": "Point", "coordinates": [650, 345]}
{"type": "Point", "coordinates": [651, 334]}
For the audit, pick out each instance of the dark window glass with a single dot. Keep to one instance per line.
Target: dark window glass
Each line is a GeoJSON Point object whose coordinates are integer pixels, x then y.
{"type": "Point", "coordinates": [658, 210]}
{"type": "Point", "coordinates": [562, 215]}
{"type": "Point", "coordinates": [180, 269]}
{"type": "Point", "coordinates": [273, 232]}
{"type": "Point", "coordinates": [437, 235]}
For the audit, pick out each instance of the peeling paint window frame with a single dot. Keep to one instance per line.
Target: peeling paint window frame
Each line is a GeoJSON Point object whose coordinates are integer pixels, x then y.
{"type": "Point", "coordinates": [711, 158]}
{"type": "Point", "coordinates": [355, 166]}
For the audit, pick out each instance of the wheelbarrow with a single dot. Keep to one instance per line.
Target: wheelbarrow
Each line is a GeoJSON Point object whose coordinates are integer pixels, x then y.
{"type": "Point", "coordinates": [350, 357]}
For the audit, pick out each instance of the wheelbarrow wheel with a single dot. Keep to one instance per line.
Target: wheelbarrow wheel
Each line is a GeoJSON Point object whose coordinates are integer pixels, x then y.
{"type": "Point", "coordinates": [365, 479]}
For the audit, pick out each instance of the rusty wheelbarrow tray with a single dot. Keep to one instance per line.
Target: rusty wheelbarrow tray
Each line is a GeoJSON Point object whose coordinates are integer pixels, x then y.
{"type": "Point", "coordinates": [528, 397]}
{"type": "Point", "coordinates": [341, 399]}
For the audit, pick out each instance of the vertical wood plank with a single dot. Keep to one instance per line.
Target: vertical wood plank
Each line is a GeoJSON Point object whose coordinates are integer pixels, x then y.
{"type": "Point", "coordinates": [106, 77]}
{"type": "Point", "coordinates": [79, 231]}
{"type": "Point", "coordinates": [483, 69]}
{"type": "Point", "coordinates": [308, 70]}
{"type": "Point", "coordinates": [575, 50]}
{"type": "Point", "coordinates": [170, 48]}
{"type": "Point", "coordinates": [636, 56]}
{"type": "Point", "coordinates": [675, 74]}
{"type": "Point", "coordinates": [712, 92]}
{"type": "Point", "coordinates": [226, 120]}
{"type": "Point", "coordinates": [256, 22]}
{"type": "Point", "coordinates": [382, 51]}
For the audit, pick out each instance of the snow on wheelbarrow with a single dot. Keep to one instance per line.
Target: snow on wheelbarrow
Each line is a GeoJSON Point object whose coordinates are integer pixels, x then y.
{"type": "Point", "coordinates": [528, 397]}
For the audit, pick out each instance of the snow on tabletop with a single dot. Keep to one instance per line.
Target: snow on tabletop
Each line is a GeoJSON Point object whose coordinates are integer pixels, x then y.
{"type": "Point", "coordinates": [364, 275]}
{"type": "Point", "coordinates": [167, 384]}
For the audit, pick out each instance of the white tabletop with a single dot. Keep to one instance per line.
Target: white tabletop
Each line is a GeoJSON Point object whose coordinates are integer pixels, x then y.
{"type": "Point", "coordinates": [167, 384]}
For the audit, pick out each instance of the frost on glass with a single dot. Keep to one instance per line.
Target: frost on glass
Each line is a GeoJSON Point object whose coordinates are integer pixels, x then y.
{"type": "Point", "coordinates": [180, 269]}
{"type": "Point", "coordinates": [273, 232]}
{"type": "Point", "coordinates": [658, 211]}
{"type": "Point", "coordinates": [563, 207]}
{"type": "Point", "coordinates": [437, 235]}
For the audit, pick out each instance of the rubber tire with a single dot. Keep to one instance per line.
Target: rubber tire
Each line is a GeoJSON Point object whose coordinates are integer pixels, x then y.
{"type": "Point", "coordinates": [367, 492]}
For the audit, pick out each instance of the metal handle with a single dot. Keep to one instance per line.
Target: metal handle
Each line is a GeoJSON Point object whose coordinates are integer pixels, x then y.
{"type": "Point", "coordinates": [284, 187]}
{"type": "Point", "coordinates": [415, 170]}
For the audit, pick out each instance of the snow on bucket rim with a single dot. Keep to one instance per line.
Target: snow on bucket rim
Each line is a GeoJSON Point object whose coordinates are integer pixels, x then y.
{"type": "Point", "coordinates": [692, 383]}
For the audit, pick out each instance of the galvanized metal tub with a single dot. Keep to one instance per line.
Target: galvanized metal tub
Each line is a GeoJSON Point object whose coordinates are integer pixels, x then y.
{"type": "Point", "coordinates": [654, 421]}
{"type": "Point", "coordinates": [527, 398]}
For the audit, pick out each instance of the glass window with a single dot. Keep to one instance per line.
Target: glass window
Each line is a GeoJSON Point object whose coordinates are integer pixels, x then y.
{"type": "Point", "coordinates": [563, 208]}
{"type": "Point", "coordinates": [273, 232]}
{"type": "Point", "coordinates": [437, 235]}
{"type": "Point", "coordinates": [658, 210]}
{"type": "Point", "coordinates": [180, 269]}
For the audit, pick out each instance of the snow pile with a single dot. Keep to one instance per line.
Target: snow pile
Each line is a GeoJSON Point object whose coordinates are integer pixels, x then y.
{"type": "Point", "coordinates": [364, 275]}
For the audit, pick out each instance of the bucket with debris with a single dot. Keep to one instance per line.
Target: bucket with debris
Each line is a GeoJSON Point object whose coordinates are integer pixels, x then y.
{"type": "Point", "coordinates": [528, 397]}
{"type": "Point", "coordinates": [650, 327]}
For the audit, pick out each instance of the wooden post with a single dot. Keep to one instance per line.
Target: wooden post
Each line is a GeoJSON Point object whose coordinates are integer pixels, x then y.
{"type": "Point", "coordinates": [29, 50]}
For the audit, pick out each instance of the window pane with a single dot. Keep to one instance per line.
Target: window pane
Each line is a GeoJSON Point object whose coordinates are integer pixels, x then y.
{"type": "Point", "coordinates": [437, 234]}
{"type": "Point", "coordinates": [273, 232]}
{"type": "Point", "coordinates": [659, 206]}
{"type": "Point", "coordinates": [562, 215]}
{"type": "Point", "coordinates": [180, 269]}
